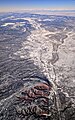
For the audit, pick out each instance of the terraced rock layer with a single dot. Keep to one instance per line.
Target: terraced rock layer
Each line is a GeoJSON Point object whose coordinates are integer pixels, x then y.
{"type": "Point", "coordinates": [37, 68]}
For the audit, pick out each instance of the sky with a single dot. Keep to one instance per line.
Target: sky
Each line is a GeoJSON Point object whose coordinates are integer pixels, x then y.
{"type": "Point", "coordinates": [8, 5]}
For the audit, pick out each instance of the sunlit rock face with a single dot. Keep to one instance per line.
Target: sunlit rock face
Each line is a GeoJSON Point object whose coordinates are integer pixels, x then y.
{"type": "Point", "coordinates": [37, 67]}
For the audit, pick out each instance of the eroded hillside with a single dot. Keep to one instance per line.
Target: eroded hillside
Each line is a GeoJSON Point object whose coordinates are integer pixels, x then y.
{"type": "Point", "coordinates": [37, 67]}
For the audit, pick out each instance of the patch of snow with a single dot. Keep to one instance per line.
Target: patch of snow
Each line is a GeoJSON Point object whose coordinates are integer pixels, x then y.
{"type": "Point", "coordinates": [6, 24]}
{"type": "Point", "coordinates": [22, 56]}
{"type": "Point", "coordinates": [48, 20]}
{"type": "Point", "coordinates": [10, 17]}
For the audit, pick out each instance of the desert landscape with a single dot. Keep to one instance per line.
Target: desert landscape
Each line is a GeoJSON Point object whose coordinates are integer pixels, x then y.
{"type": "Point", "coordinates": [37, 66]}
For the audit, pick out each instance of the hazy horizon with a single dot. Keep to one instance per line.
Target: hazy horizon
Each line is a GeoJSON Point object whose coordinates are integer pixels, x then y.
{"type": "Point", "coordinates": [17, 5]}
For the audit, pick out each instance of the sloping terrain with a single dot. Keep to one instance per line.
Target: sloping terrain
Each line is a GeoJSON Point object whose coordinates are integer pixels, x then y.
{"type": "Point", "coordinates": [37, 67]}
